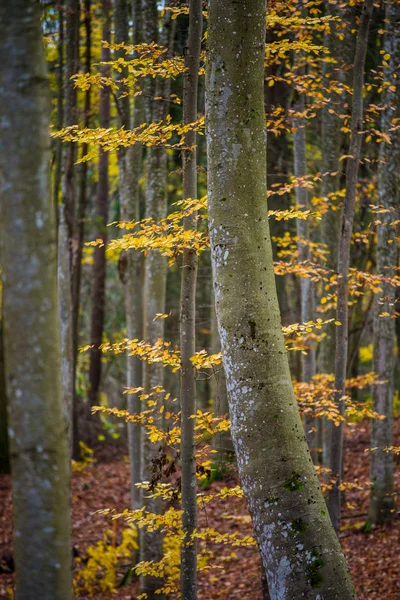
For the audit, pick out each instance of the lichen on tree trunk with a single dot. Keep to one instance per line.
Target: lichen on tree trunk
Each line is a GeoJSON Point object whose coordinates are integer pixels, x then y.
{"type": "Point", "coordinates": [300, 551]}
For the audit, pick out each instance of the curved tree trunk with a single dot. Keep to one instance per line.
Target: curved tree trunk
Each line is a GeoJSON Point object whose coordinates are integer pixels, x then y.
{"type": "Point", "coordinates": [300, 551]}
{"type": "Point", "coordinates": [381, 507]}
{"type": "Point", "coordinates": [37, 425]}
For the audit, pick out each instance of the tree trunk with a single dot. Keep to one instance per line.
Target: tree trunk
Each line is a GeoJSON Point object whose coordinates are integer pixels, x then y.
{"type": "Point", "coordinates": [133, 274]}
{"type": "Point", "coordinates": [188, 313]}
{"type": "Point", "coordinates": [381, 507]}
{"type": "Point", "coordinates": [155, 275]}
{"type": "Point", "coordinates": [332, 139]}
{"type": "Point", "coordinates": [342, 312]}
{"type": "Point", "coordinates": [37, 425]}
{"type": "Point", "coordinates": [101, 218]}
{"type": "Point", "coordinates": [66, 217]}
{"type": "Point", "coordinates": [308, 367]}
{"type": "Point", "coordinates": [300, 551]}
{"type": "Point", "coordinates": [80, 233]}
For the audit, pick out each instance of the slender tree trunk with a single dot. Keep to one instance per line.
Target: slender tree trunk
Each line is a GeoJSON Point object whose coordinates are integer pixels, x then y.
{"type": "Point", "coordinates": [300, 551]}
{"type": "Point", "coordinates": [381, 507]}
{"type": "Point", "coordinates": [101, 218]}
{"type": "Point", "coordinates": [66, 219]}
{"type": "Point", "coordinates": [332, 139]}
{"type": "Point", "coordinates": [188, 313]}
{"type": "Point", "coordinates": [37, 425]}
{"type": "Point", "coordinates": [80, 234]}
{"type": "Point", "coordinates": [308, 366]}
{"type": "Point", "coordinates": [344, 256]}
{"type": "Point", "coordinates": [155, 275]}
{"type": "Point", "coordinates": [133, 272]}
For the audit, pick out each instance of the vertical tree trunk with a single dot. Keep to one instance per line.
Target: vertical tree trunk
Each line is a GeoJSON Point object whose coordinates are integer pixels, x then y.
{"type": "Point", "coordinates": [80, 234]}
{"type": "Point", "coordinates": [300, 551]}
{"type": "Point", "coordinates": [101, 218]}
{"type": "Point", "coordinates": [344, 256]}
{"type": "Point", "coordinates": [381, 507]}
{"type": "Point", "coordinates": [308, 367]}
{"type": "Point", "coordinates": [332, 140]}
{"type": "Point", "coordinates": [37, 427]}
{"type": "Point", "coordinates": [188, 313]}
{"type": "Point", "coordinates": [66, 220]}
{"type": "Point", "coordinates": [155, 275]}
{"type": "Point", "coordinates": [130, 204]}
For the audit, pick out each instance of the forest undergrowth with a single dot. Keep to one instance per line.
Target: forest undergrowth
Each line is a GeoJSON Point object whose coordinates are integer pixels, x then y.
{"type": "Point", "coordinates": [372, 556]}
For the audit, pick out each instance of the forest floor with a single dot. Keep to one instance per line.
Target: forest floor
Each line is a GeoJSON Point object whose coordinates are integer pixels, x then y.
{"type": "Point", "coordinates": [373, 558]}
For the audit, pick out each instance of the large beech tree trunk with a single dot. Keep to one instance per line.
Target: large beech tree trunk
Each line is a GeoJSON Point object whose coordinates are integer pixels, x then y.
{"type": "Point", "coordinates": [342, 310]}
{"type": "Point", "coordinates": [381, 506]}
{"type": "Point", "coordinates": [300, 551]}
{"type": "Point", "coordinates": [188, 314]}
{"type": "Point", "coordinates": [37, 423]}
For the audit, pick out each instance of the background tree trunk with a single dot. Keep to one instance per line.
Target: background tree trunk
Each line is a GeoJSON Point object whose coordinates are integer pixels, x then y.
{"type": "Point", "coordinates": [342, 311]}
{"type": "Point", "coordinates": [155, 276]}
{"type": "Point", "coordinates": [188, 313]}
{"type": "Point", "coordinates": [37, 424]}
{"type": "Point", "coordinates": [101, 219]}
{"type": "Point", "coordinates": [300, 551]}
{"type": "Point", "coordinates": [381, 507]}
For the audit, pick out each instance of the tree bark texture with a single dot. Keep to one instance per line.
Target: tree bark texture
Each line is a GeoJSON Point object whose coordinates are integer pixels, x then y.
{"type": "Point", "coordinates": [342, 311]}
{"type": "Point", "coordinates": [332, 141]}
{"type": "Point", "coordinates": [101, 218]}
{"type": "Point", "coordinates": [381, 507]}
{"type": "Point", "coordinates": [66, 217]}
{"type": "Point", "coordinates": [308, 365]}
{"type": "Point", "coordinates": [188, 313]}
{"type": "Point", "coordinates": [300, 551]}
{"type": "Point", "coordinates": [4, 452]}
{"type": "Point", "coordinates": [133, 277]}
{"type": "Point", "coordinates": [155, 275]}
{"type": "Point", "coordinates": [37, 426]}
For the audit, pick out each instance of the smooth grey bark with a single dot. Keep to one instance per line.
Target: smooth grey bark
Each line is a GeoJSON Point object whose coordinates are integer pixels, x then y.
{"type": "Point", "coordinates": [66, 217]}
{"type": "Point", "coordinates": [80, 230]}
{"type": "Point", "coordinates": [101, 217]}
{"type": "Point", "coordinates": [300, 551]}
{"type": "Point", "coordinates": [308, 362]}
{"type": "Point", "coordinates": [37, 426]}
{"type": "Point", "coordinates": [381, 506]}
{"type": "Point", "coordinates": [332, 140]}
{"type": "Point", "coordinates": [342, 311]}
{"type": "Point", "coordinates": [133, 272]}
{"type": "Point", "coordinates": [188, 313]}
{"type": "Point", "coordinates": [155, 276]}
